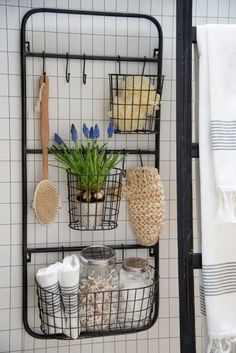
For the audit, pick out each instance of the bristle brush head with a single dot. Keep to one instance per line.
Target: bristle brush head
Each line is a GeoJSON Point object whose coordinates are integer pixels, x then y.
{"type": "Point", "coordinates": [46, 202]}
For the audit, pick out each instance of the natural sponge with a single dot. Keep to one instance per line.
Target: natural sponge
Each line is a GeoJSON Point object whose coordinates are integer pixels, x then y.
{"type": "Point", "coordinates": [137, 100]}
{"type": "Point", "coordinates": [145, 193]}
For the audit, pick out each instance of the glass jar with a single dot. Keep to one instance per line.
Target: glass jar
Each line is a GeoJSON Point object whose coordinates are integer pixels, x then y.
{"type": "Point", "coordinates": [98, 287]}
{"type": "Point", "coordinates": [135, 282]}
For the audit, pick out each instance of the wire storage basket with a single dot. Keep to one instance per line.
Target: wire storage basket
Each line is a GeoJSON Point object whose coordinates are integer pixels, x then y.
{"type": "Point", "coordinates": [97, 207]}
{"type": "Point", "coordinates": [86, 314]}
{"type": "Point", "coordinates": [135, 102]}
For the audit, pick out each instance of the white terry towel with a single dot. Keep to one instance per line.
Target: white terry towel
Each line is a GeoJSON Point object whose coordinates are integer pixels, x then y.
{"type": "Point", "coordinates": [69, 275]}
{"type": "Point", "coordinates": [53, 320]}
{"type": "Point", "coordinates": [218, 238]}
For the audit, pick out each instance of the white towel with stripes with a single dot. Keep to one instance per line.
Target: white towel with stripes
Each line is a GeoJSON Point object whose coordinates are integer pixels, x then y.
{"type": "Point", "coordinates": [221, 47]}
{"type": "Point", "coordinates": [69, 275]}
{"type": "Point", "coordinates": [52, 314]}
{"type": "Point", "coordinates": [217, 144]}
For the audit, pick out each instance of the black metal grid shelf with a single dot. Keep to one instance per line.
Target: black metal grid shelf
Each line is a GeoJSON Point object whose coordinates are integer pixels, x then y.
{"type": "Point", "coordinates": [27, 251]}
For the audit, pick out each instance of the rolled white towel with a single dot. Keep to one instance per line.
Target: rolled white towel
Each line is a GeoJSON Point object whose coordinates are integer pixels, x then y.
{"type": "Point", "coordinates": [69, 275]}
{"type": "Point", "coordinates": [52, 315]}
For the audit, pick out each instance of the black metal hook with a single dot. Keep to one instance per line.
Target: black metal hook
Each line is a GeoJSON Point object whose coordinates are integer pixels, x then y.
{"type": "Point", "coordinates": [140, 156]}
{"type": "Point", "coordinates": [44, 70]}
{"type": "Point", "coordinates": [84, 74]}
{"type": "Point", "coordinates": [144, 64]}
{"type": "Point", "coordinates": [118, 56]}
{"type": "Point", "coordinates": [67, 65]}
{"type": "Point", "coordinates": [63, 252]}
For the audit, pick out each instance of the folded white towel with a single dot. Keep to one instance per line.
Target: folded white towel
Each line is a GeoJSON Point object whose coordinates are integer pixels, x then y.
{"type": "Point", "coordinates": [217, 76]}
{"type": "Point", "coordinates": [69, 275]}
{"type": "Point", "coordinates": [52, 315]}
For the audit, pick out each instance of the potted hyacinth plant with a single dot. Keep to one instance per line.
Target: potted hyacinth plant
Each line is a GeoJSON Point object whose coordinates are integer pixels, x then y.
{"type": "Point", "coordinates": [90, 165]}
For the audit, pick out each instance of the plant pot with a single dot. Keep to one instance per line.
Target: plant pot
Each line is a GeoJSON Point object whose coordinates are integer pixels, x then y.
{"type": "Point", "coordinates": [90, 214]}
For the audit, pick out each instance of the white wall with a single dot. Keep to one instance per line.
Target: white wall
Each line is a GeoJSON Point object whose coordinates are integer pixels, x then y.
{"type": "Point", "coordinates": [67, 105]}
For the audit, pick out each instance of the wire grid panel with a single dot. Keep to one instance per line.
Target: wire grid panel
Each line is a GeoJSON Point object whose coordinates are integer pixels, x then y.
{"type": "Point", "coordinates": [78, 103]}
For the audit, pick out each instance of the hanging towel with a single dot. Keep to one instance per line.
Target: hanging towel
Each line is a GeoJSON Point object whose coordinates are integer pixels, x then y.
{"type": "Point", "coordinates": [221, 54]}
{"type": "Point", "coordinates": [69, 284]}
{"type": "Point", "coordinates": [52, 320]}
{"type": "Point", "coordinates": [217, 85]}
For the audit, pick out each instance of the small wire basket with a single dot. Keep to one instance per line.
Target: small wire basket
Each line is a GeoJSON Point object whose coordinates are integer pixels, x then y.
{"type": "Point", "coordinates": [97, 209]}
{"type": "Point", "coordinates": [135, 102]}
{"type": "Point", "coordinates": [71, 315]}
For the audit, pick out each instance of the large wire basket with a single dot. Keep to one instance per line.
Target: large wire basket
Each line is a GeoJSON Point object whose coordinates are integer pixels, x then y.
{"type": "Point", "coordinates": [135, 102]}
{"type": "Point", "coordinates": [99, 313]}
{"type": "Point", "coordinates": [98, 208]}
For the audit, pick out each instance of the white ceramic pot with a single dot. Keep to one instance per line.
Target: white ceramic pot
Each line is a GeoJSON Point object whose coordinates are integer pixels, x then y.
{"type": "Point", "coordinates": [90, 214]}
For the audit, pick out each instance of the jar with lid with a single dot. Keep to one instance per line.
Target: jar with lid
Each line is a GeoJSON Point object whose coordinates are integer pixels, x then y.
{"type": "Point", "coordinates": [136, 294]}
{"type": "Point", "coordinates": [98, 287]}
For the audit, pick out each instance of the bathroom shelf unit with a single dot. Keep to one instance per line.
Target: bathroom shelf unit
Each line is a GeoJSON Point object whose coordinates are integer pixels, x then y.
{"type": "Point", "coordinates": [186, 151]}
{"type": "Point", "coordinates": [29, 251]}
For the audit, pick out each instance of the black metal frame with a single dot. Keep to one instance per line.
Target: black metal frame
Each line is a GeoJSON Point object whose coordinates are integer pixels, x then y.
{"type": "Point", "coordinates": [25, 52]}
{"type": "Point", "coordinates": [186, 150]}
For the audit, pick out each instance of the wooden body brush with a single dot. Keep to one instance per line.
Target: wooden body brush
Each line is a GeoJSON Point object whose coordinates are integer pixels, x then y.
{"type": "Point", "coordinates": [46, 199]}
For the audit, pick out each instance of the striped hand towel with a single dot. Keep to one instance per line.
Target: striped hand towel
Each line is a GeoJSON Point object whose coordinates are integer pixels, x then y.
{"type": "Point", "coordinates": [217, 144]}
{"type": "Point", "coordinates": [221, 47]}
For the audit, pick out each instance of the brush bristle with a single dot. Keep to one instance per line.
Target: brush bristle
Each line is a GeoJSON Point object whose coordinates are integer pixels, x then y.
{"type": "Point", "coordinates": [46, 202]}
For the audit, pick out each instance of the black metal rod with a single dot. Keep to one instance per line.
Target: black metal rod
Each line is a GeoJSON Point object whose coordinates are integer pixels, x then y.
{"type": "Point", "coordinates": [184, 175]}
{"type": "Point", "coordinates": [195, 150]}
{"type": "Point", "coordinates": [91, 57]}
{"type": "Point", "coordinates": [197, 261]}
{"type": "Point", "coordinates": [58, 249]}
{"type": "Point", "coordinates": [129, 151]}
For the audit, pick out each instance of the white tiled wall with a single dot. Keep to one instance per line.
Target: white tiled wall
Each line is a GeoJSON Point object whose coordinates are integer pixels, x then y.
{"type": "Point", "coordinates": [69, 103]}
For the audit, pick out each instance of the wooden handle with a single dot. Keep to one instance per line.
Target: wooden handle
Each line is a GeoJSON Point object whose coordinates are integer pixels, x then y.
{"type": "Point", "coordinates": [44, 126]}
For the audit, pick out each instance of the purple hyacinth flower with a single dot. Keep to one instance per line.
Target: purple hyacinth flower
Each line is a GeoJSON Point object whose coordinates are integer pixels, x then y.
{"type": "Point", "coordinates": [58, 139]}
{"type": "Point", "coordinates": [74, 134]}
{"type": "Point", "coordinates": [110, 130]}
{"type": "Point", "coordinates": [85, 131]}
{"type": "Point", "coordinates": [96, 132]}
{"type": "Point", "coordinates": [91, 133]}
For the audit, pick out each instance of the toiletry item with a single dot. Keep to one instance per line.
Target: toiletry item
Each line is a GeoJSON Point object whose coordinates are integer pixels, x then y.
{"type": "Point", "coordinates": [50, 305]}
{"type": "Point", "coordinates": [69, 274]}
{"type": "Point", "coordinates": [136, 102]}
{"type": "Point", "coordinates": [145, 193]}
{"type": "Point", "coordinates": [98, 279]}
{"type": "Point", "coordinates": [46, 199]}
{"type": "Point", "coordinates": [136, 299]}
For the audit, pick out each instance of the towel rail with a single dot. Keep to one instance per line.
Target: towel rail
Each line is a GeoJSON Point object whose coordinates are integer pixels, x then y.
{"type": "Point", "coordinates": [186, 150]}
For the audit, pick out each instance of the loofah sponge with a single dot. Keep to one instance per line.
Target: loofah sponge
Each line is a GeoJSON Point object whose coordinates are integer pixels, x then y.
{"type": "Point", "coordinates": [145, 193]}
{"type": "Point", "coordinates": [137, 100]}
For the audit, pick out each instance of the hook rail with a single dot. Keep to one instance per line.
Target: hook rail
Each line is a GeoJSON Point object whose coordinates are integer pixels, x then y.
{"type": "Point", "coordinates": [91, 57]}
